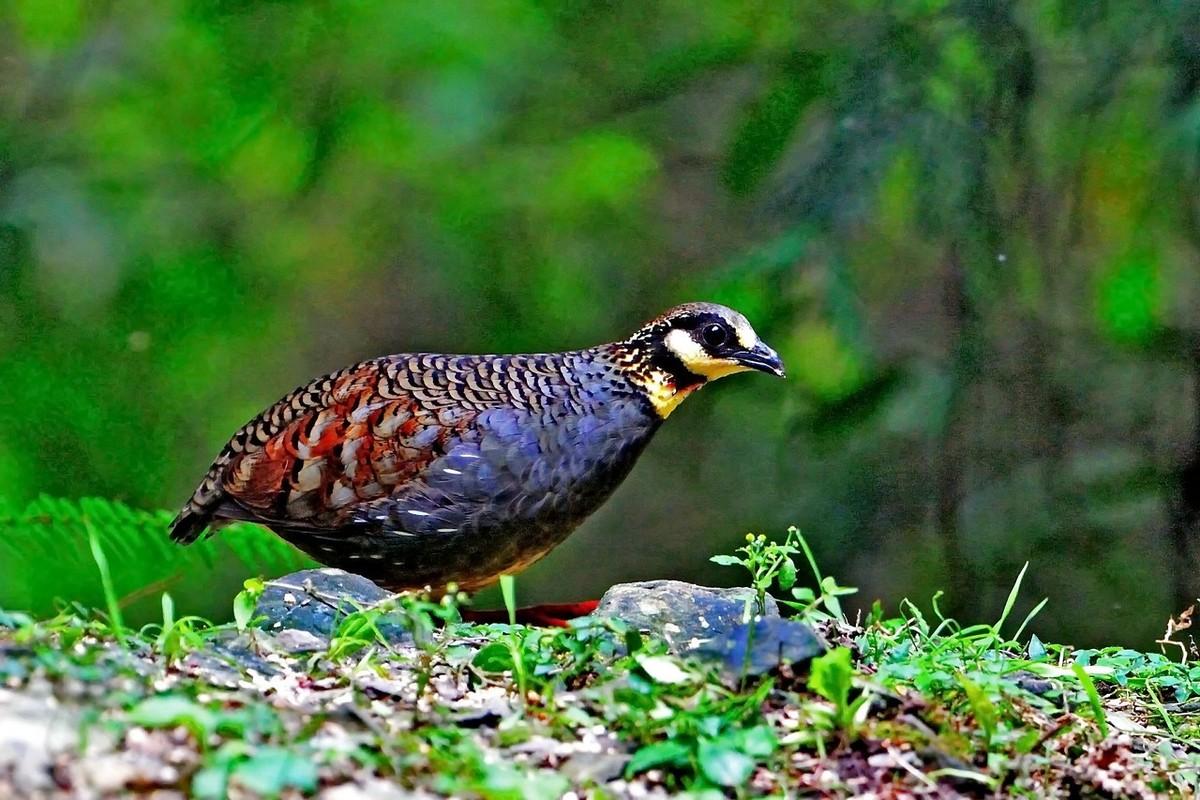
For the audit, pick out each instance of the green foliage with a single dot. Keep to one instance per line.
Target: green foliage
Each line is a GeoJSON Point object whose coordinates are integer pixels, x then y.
{"type": "Point", "coordinates": [542, 660]}
{"type": "Point", "coordinates": [415, 612]}
{"type": "Point", "coordinates": [509, 591]}
{"type": "Point", "coordinates": [725, 759]}
{"type": "Point", "coordinates": [110, 595]}
{"type": "Point", "coordinates": [831, 677]}
{"type": "Point", "coordinates": [981, 706]}
{"type": "Point", "coordinates": [930, 702]}
{"type": "Point", "coordinates": [245, 601]}
{"type": "Point", "coordinates": [70, 539]}
{"type": "Point", "coordinates": [1001, 681]}
{"type": "Point", "coordinates": [463, 769]}
{"type": "Point", "coordinates": [708, 750]}
{"type": "Point", "coordinates": [265, 771]}
{"type": "Point", "coordinates": [169, 711]}
{"type": "Point", "coordinates": [1093, 697]}
{"type": "Point", "coordinates": [766, 563]}
{"type": "Point", "coordinates": [770, 563]}
{"type": "Point", "coordinates": [1152, 673]}
{"type": "Point", "coordinates": [768, 122]}
{"type": "Point", "coordinates": [176, 638]}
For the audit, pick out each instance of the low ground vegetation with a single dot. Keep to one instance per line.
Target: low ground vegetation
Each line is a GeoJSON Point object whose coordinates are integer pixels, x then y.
{"type": "Point", "coordinates": [903, 704]}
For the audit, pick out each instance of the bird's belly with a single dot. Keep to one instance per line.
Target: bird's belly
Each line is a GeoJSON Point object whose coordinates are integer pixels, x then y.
{"type": "Point", "coordinates": [471, 557]}
{"type": "Point", "coordinates": [490, 537]}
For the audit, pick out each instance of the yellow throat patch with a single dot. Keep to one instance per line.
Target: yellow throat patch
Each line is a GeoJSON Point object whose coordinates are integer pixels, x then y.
{"type": "Point", "coordinates": [664, 396]}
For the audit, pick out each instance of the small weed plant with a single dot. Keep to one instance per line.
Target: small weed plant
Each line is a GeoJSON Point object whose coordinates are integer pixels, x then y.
{"type": "Point", "coordinates": [772, 563]}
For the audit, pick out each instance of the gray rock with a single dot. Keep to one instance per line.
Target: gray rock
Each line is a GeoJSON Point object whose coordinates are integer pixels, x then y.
{"type": "Point", "coordinates": [709, 622]}
{"type": "Point", "coordinates": [227, 660]}
{"type": "Point", "coordinates": [1032, 683]}
{"type": "Point", "coordinates": [316, 600]}
{"type": "Point", "coordinates": [293, 640]}
{"type": "Point", "coordinates": [594, 768]}
{"type": "Point", "coordinates": [684, 614]}
{"type": "Point", "coordinates": [763, 646]}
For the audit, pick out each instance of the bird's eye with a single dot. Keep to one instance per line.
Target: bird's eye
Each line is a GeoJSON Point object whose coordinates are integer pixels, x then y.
{"type": "Point", "coordinates": [714, 336]}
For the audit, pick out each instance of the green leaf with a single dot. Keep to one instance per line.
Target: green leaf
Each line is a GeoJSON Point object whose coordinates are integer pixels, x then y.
{"type": "Point", "coordinates": [758, 741]}
{"type": "Point", "coordinates": [502, 781]}
{"type": "Point", "coordinates": [1037, 650]}
{"type": "Point", "coordinates": [211, 783]}
{"type": "Point", "coordinates": [246, 601]}
{"type": "Point", "coordinates": [1033, 612]}
{"type": "Point", "coordinates": [831, 676]}
{"type": "Point", "coordinates": [667, 753]}
{"type": "Point", "coordinates": [168, 610]}
{"type": "Point", "coordinates": [804, 594]}
{"type": "Point", "coordinates": [981, 706]}
{"type": "Point", "coordinates": [169, 711]}
{"type": "Point", "coordinates": [495, 657]}
{"type": "Point", "coordinates": [1027, 741]}
{"type": "Point", "coordinates": [727, 561]}
{"type": "Point", "coordinates": [723, 764]}
{"type": "Point", "coordinates": [272, 770]}
{"type": "Point", "coordinates": [243, 609]}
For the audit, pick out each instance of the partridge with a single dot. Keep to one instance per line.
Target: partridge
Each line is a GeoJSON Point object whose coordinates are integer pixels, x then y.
{"type": "Point", "coordinates": [419, 470]}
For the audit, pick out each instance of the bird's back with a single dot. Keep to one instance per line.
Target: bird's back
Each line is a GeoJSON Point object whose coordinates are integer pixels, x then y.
{"type": "Point", "coordinates": [419, 469]}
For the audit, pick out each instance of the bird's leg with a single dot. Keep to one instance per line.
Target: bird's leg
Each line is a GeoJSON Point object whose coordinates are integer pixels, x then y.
{"type": "Point", "coordinates": [549, 615]}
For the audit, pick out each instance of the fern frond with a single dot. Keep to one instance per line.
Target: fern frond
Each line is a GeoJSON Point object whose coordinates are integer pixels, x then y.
{"type": "Point", "coordinates": [45, 557]}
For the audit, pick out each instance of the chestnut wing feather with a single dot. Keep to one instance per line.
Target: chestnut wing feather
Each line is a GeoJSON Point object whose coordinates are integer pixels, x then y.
{"type": "Point", "coordinates": [341, 441]}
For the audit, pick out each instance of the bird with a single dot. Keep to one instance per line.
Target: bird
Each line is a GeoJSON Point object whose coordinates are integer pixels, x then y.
{"type": "Point", "coordinates": [420, 471]}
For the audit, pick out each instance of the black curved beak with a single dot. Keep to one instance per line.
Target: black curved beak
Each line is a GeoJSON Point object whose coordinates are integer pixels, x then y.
{"type": "Point", "coordinates": [763, 359]}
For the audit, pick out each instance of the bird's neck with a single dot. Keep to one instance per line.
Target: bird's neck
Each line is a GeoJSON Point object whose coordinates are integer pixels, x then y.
{"type": "Point", "coordinates": [656, 373]}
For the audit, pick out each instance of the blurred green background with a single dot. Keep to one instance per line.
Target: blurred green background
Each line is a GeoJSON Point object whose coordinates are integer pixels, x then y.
{"type": "Point", "coordinates": [970, 227]}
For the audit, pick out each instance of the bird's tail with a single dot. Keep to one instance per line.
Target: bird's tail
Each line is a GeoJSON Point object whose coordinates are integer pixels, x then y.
{"type": "Point", "coordinates": [197, 514]}
{"type": "Point", "coordinates": [187, 526]}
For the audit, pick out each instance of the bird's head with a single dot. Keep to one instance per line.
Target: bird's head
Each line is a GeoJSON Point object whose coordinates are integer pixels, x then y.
{"type": "Point", "coordinates": [692, 344]}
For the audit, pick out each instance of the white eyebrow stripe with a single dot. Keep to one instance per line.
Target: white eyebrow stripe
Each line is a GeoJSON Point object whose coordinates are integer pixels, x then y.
{"type": "Point", "coordinates": [745, 334]}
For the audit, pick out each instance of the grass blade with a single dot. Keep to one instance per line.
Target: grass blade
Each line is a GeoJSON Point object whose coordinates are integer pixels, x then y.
{"type": "Point", "coordinates": [1012, 599]}
{"type": "Point", "coordinates": [110, 594]}
{"type": "Point", "coordinates": [508, 590]}
{"type": "Point", "coordinates": [1089, 687]}
{"type": "Point", "coordinates": [1029, 618]}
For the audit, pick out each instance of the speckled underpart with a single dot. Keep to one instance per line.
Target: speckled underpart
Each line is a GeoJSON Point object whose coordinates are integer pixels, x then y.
{"type": "Point", "coordinates": [420, 469]}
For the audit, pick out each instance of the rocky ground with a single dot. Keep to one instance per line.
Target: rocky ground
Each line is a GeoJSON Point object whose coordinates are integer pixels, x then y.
{"type": "Point", "coordinates": [327, 687]}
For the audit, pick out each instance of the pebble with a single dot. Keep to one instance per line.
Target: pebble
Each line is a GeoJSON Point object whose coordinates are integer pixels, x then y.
{"type": "Point", "coordinates": [34, 730]}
